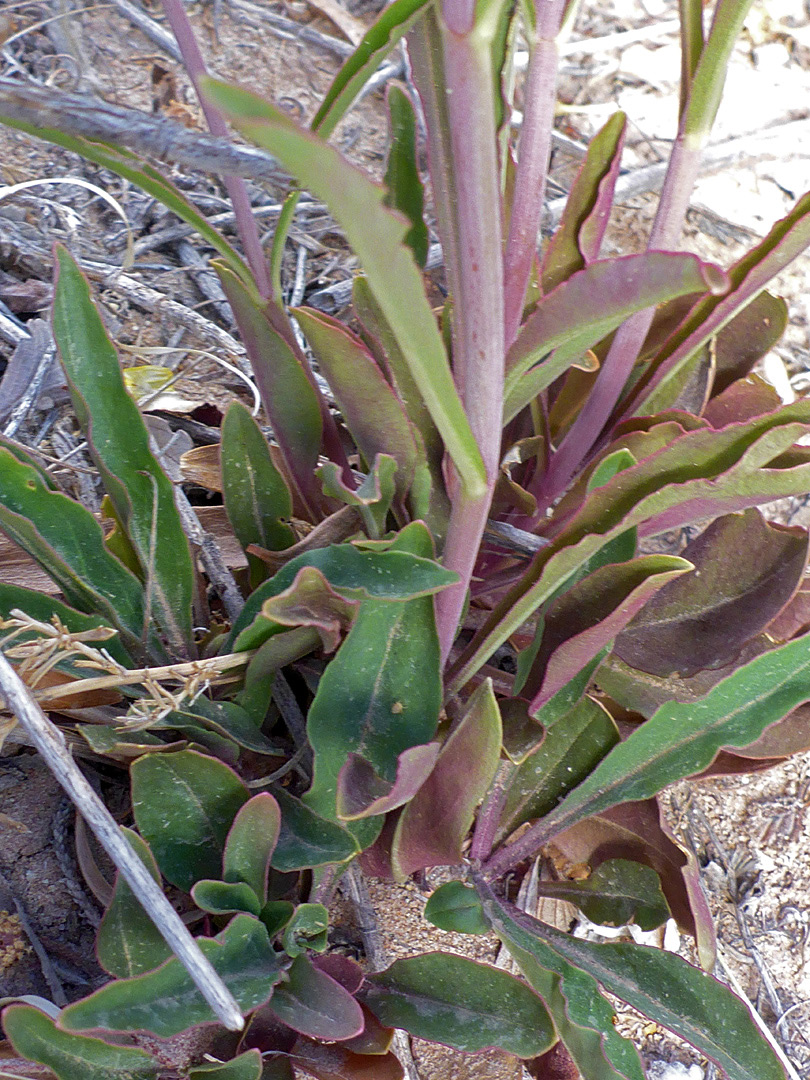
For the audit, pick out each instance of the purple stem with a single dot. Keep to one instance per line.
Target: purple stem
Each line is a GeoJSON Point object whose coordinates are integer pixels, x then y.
{"type": "Point", "coordinates": [532, 166]}
{"type": "Point", "coordinates": [664, 236]}
{"type": "Point", "coordinates": [235, 186]}
{"type": "Point", "coordinates": [489, 816]}
{"type": "Point", "coordinates": [479, 346]}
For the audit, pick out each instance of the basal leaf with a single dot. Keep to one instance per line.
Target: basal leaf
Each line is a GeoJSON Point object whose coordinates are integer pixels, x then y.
{"type": "Point", "coordinates": [255, 494]}
{"type": "Point", "coordinates": [381, 694]}
{"type": "Point", "coordinates": [247, 1066]}
{"type": "Point", "coordinates": [251, 842]}
{"type": "Point", "coordinates": [682, 739]}
{"type": "Point", "coordinates": [119, 444]}
{"type": "Point", "coordinates": [67, 542]}
{"type": "Point", "coordinates": [659, 984]}
{"type": "Point", "coordinates": [455, 906]}
{"type": "Point", "coordinates": [374, 496]}
{"type": "Point", "coordinates": [307, 929]}
{"type": "Point", "coordinates": [226, 719]}
{"type": "Point", "coordinates": [362, 792]}
{"type": "Point", "coordinates": [688, 477]}
{"type": "Point", "coordinates": [704, 621]}
{"type": "Point", "coordinates": [568, 754]}
{"type": "Point", "coordinates": [589, 615]}
{"type": "Point", "coordinates": [747, 337]}
{"type": "Point", "coordinates": [617, 892]}
{"type": "Point", "coordinates": [376, 234]}
{"type": "Point", "coordinates": [45, 608]}
{"type": "Point", "coordinates": [288, 397]}
{"type": "Point", "coordinates": [338, 1063]}
{"type": "Point", "coordinates": [184, 805]}
{"type": "Point", "coordinates": [73, 1057]}
{"type": "Point", "coordinates": [309, 1001]}
{"type": "Point", "coordinates": [434, 824]}
{"type": "Point", "coordinates": [460, 1003]}
{"type": "Point", "coordinates": [166, 1002]}
{"type": "Point", "coordinates": [371, 410]}
{"type": "Point", "coordinates": [308, 840]}
{"type": "Point", "coordinates": [225, 897]}
{"type": "Point", "coordinates": [587, 307]}
{"type": "Point", "coordinates": [128, 942]}
{"type": "Point", "coordinates": [402, 172]}
{"type": "Point", "coordinates": [356, 573]}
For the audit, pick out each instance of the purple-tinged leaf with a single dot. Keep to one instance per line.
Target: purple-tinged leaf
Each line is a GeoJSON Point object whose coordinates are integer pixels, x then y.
{"type": "Point", "coordinates": [166, 1001]}
{"type": "Point", "coordinates": [338, 1063]}
{"type": "Point", "coordinates": [618, 892]}
{"type": "Point", "coordinates": [184, 805]}
{"type": "Point", "coordinates": [287, 395]}
{"type": "Point", "coordinates": [35, 1037]}
{"type": "Point", "coordinates": [749, 276]}
{"type": "Point", "coordinates": [741, 401]}
{"type": "Point", "coordinates": [128, 942]}
{"type": "Point", "coordinates": [581, 622]}
{"type": "Point", "coordinates": [309, 1001]}
{"type": "Point", "coordinates": [373, 413]}
{"type": "Point", "coordinates": [402, 178]}
{"type": "Point", "coordinates": [749, 335]}
{"type": "Point", "coordinates": [309, 601]}
{"type": "Point", "coordinates": [689, 389]}
{"type": "Point", "coordinates": [638, 831]}
{"type": "Point", "coordinates": [251, 842]}
{"type": "Point", "coordinates": [375, 1038]}
{"type": "Point", "coordinates": [578, 237]}
{"type": "Point", "coordinates": [588, 306]}
{"type": "Point", "coordinates": [703, 620]}
{"type": "Point", "coordinates": [693, 476]}
{"type": "Point", "coordinates": [435, 823]}
{"type": "Point", "coordinates": [343, 970]}
{"type": "Point", "coordinates": [571, 749]}
{"type": "Point", "coordinates": [373, 497]}
{"type": "Point", "coordinates": [362, 792]}
{"type": "Point", "coordinates": [658, 984]}
{"type": "Point", "coordinates": [460, 1003]}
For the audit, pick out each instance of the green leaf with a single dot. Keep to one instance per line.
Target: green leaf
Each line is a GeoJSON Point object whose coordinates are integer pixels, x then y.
{"type": "Point", "coordinates": [658, 984]}
{"type": "Point", "coordinates": [247, 1066]}
{"type": "Point", "coordinates": [35, 1037]}
{"type": "Point", "coordinates": [308, 840]}
{"type": "Point", "coordinates": [225, 897]}
{"type": "Point", "coordinates": [683, 739]}
{"type": "Point", "coordinates": [255, 494]}
{"type": "Point", "coordinates": [311, 1002]}
{"type": "Point", "coordinates": [587, 307]}
{"type": "Point", "coordinates": [229, 720]}
{"type": "Point", "coordinates": [406, 193]}
{"type": "Point", "coordinates": [166, 1002]}
{"type": "Point", "coordinates": [376, 234]}
{"type": "Point", "coordinates": [45, 608]}
{"type": "Point", "coordinates": [184, 805]}
{"type": "Point", "coordinates": [372, 412]}
{"type": "Point", "coordinates": [380, 40]}
{"type": "Point", "coordinates": [460, 1003]}
{"type": "Point", "coordinates": [686, 478]}
{"type": "Point", "coordinates": [569, 752]}
{"type": "Point", "coordinates": [456, 907]}
{"type": "Point", "coordinates": [288, 397]}
{"type": "Point", "coordinates": [67, 542]}
{"type": "Point", "coordinates": [354, 572]}
{"type": "Point", "coordinates": [307, 929]}
{"type": "Point", "coordinates": [128, 942]}
{"type": "Point", "coordinates": [251, 842]}
{"type": "Point", "coordinates": [433, 826]}
{"type": "Point", "coordinates": [119, 444]}
{"type": "Point", "coordinates": [617, 892]}
{"type": "Point", "coordinates": [381, 695]}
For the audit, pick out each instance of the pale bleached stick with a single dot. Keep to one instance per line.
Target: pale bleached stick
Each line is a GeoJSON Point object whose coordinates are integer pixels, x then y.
{"type": "Point", "coordinates": [50, 742]}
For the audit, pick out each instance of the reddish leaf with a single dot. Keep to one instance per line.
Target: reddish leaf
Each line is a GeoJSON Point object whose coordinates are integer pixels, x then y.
{"type": "Point", "coordinates": [310, 1001]}
{"type": "Point", "coordinates": [589, 615]}
{"type": "Point", "coordinates": [362, 792]}
{"type": "Point", "coordinates": [342, 969]}
{"type": "Point", "coordinates": [311, 601]}
{"type": "Point", "coordinates": [337, 1063]}
{"type": "Point", "coordinates": [433, 825]}
{"type": "Point", "coordinates": [747, 338]}
{"type": "Point", "coordinates": [704, 619]}
{"type": "Point", "coordinates": [743, 400]}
